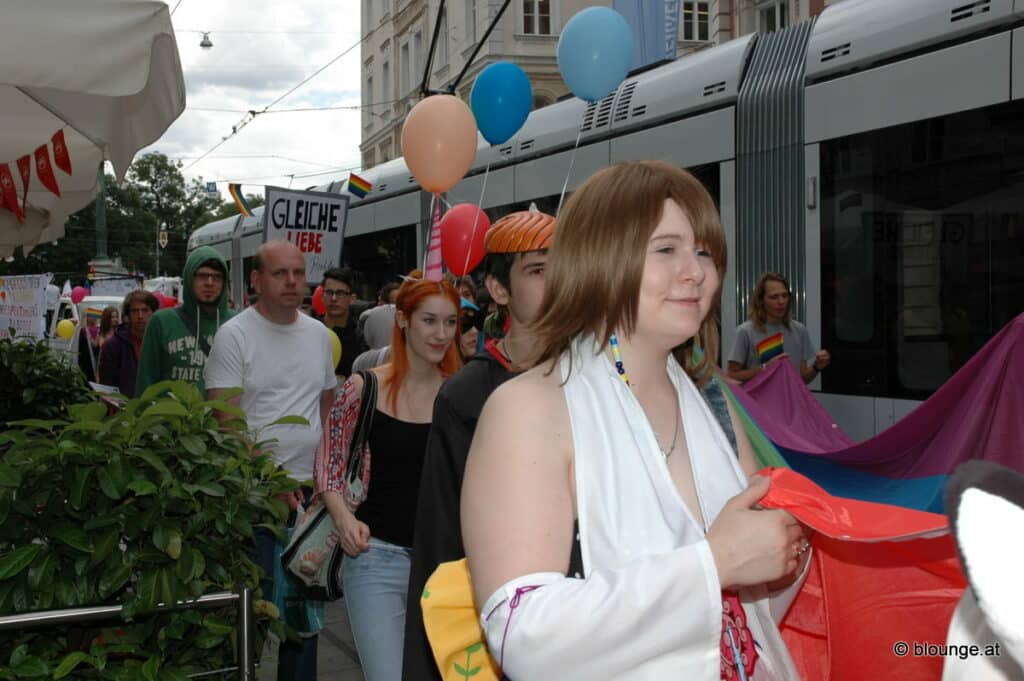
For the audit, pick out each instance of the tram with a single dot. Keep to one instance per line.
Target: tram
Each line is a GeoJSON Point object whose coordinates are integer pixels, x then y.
{"type": "Point", "coordinates": [873, 154]}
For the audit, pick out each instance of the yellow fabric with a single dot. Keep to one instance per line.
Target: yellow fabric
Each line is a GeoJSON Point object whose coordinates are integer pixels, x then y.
{"type": "Point", "coordinates": [453, 626]}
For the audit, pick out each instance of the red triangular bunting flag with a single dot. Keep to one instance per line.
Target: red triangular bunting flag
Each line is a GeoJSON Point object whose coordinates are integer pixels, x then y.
{"type": "Point", "coordinates": [45, 171]}
{"type": "Point", "coordinates": [9, 192]}
{"type": "Point", "coordinates": [61, 158]}
{"type": "Point", "coordinates": [25, 170]}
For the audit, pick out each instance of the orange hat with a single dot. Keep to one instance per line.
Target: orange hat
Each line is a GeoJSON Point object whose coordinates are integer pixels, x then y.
{"type": "Point", "coordinates": [521, 232]}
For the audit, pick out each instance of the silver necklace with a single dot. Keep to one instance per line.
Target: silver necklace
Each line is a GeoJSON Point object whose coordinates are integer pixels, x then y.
{"type": "Point", "coordinates": [668, 452]}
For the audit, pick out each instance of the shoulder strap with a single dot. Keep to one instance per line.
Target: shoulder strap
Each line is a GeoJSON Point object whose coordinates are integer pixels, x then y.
{"type": "Point", "coordinates": [367, 407]}
{"type": "Point", "coordinates": [191, 325]}
{"type": "Point", "coordinates": [716, 401]}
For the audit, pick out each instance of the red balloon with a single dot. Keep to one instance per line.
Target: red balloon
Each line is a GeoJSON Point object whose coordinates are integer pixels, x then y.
{"type": "Point", "coordinates": [462, 238]}
{"type": "Point", "coordinates": [78, 293]}
{"type": "Point", "coordinates": [168, 301]}
{"type": "Point", "coordinates": [318, 300]}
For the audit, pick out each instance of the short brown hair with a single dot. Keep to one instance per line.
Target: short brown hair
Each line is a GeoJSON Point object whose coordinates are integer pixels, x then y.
{"type": "Point", "coordinates": [757, 312]}
{"type": "Point", "coordinates": [592, 283]}
{"type": "Point", "coordinates": [138, 296]}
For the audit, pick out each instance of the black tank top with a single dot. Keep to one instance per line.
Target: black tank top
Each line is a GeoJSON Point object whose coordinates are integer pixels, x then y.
{"type": "Point", "coordinates": [397, 450]}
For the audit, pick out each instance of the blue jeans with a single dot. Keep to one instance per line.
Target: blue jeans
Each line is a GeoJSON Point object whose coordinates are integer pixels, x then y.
{"type": "Point", "coordinates": [376, 584]}
{"type": "Point", "coordinates": [296, 660]}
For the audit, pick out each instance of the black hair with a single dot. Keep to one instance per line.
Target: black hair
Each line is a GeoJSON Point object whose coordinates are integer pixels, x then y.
{"type": "Point", "coordinates": [215, 263]}
{"type": "Point", "coordinates": [386, 290]}
{"type": "Point", "coordinates": [342, 274]}
{"type": "Point", "coordinates": [139, 296]}
{"type": "Point", "coordinates": [499, 266]}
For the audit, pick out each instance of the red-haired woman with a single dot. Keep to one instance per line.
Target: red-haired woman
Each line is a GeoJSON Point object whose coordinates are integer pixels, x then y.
{"type": "Point", "coordinates": [377, 532]}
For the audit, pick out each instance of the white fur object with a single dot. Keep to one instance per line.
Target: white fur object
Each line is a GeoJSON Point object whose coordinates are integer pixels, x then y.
{"type": "Point", "coordinates": [992, 611]}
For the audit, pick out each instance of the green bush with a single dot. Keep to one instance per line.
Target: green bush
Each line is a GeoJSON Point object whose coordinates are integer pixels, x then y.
{"type": "Point", "coordinates": [152, 504]}
{"type": "Point", "coordinates": [36, 382]}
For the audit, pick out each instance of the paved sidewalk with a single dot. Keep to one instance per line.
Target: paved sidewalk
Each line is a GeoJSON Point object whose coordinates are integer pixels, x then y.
{"type": "Point", "coordinates": [337, 660]}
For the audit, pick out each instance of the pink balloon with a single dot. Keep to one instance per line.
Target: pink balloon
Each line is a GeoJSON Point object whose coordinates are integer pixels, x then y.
{"type": "Point", "coordinates": [318, 300]}
{"type": "Point", "coordinates": [439, 142]}
{"type": "Point", "coordinates": [462, 243]}
{"type": "Point", "coordinates": [78, 293]}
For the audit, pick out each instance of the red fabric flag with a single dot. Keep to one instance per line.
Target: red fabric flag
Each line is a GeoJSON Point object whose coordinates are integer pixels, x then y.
{"type": "Point", "coordinates": [9, 192]}
{"type": "Point", "coordinates": [882, 579]}
{"type": "Point", "coordinates": [45, 170]}
{"type": "Point", "coordinates": [61, 157]}
{"type": "Point", "coordinates": [25, 170]}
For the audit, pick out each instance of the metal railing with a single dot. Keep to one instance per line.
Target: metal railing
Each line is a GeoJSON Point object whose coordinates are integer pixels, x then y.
{"type": "Point", "coordinates": [246, 656]}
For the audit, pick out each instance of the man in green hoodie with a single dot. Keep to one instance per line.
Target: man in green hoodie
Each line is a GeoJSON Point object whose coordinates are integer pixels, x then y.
{"type": "Point", "coordinates": [178, 339]}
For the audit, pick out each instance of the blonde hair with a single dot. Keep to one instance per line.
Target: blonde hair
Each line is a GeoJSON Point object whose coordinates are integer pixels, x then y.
{"type": "Point", "coordinates": [592, 282]}
{"type": "Point", "coordinates": [758, 313]}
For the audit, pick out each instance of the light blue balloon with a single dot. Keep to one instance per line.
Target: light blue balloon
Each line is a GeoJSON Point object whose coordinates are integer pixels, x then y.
{"type": "Point", "coordinates": [501, 100]}
{"type": "Point", "coordinates": [595, 51]}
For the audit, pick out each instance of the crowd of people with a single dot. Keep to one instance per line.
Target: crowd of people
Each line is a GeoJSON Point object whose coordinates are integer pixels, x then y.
{"type": "Point", "coordinates": [552, 425]}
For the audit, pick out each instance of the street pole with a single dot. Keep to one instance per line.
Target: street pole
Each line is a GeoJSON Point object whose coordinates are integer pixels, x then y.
{"type": "Point", "coordinates": [101, 216]}
{"type": "Point", "coordinates": [159, 228]}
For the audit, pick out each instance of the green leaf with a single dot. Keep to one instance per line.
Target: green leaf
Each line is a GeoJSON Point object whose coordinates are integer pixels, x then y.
{"type": "Point", "coordinates": [73, 537]}
{"type": "Point", "coordinates": [292, 420]}
{"type": "Point", "coordinates": [150, 668]}
{"type": "Point", "coordinates": [9, 477]}
{"type": "Point", "coordinates": [107, 484]}
{"type": "Point", "coordinates": [193, 444]}
{"type": "Point", "coordinates": [172, 674]}
{"type": "Point", "coordinates": [71, 661]}
{"type": "Point", "coordinates": [174, 544]}
{"type": "Point", "coordinates": [113, 579]}
{"type": "Point", "coordinates": [17, 560]}
{"type": "Point", "coordinates": [213, 489]}
{"type": "Point", "coordinates": [460, 670]}
{"type": "Point", "coordinates": [166, 407]}
{"type": "Point", "coordinates": [474, 648]}
{"type": "Point", "coordinates": [41, 573]}
{"type": "Point", "coordinates": [208, 640]}
{"type": "Point", "coordinates": [161, 535]}
{"type": "Point", "coordinates": [78, 482]}
{"type": "Point", "coordinates": [217, 625]}
{"type": "Point", "coordinates": [91, 411]}
{"type": "Point", "coordinates": [19, 654]}
{"type": "Point", "coordinates": [152, 460]}
{"type": "Point", "coordinates": [31, 668]}
{"type": "Point", "coordinates": [104, 545]}
{"type": "Point", "coordinates": [191, 565]}
{"type": "Point", "coordinates": [142, 487]}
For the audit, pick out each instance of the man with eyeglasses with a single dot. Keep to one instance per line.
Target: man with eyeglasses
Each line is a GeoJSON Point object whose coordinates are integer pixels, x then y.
{"type": "Point", "coordinates": [339, 294]}
{"type": "Point", "coordinates": [178, 340]}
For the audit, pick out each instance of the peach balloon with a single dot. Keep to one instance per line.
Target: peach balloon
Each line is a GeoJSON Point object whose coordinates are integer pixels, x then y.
{"type": "Point", "coordinates": [439, 142]}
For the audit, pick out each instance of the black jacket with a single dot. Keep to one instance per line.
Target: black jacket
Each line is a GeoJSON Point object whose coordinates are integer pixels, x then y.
{"type": "Point", "coordinates": [438, 535]}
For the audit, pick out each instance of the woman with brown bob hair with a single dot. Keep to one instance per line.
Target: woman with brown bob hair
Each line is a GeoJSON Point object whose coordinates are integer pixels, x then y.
{"type": "Point", "coordinates": [609, 525]}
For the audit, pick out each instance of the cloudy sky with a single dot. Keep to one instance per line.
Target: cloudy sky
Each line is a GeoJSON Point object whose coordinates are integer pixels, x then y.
{"type": "Point", "coordinates": [262, 49]}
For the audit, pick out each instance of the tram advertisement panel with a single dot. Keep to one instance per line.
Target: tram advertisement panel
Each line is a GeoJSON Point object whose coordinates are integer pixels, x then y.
{"type": "Point", "coordinates": [313, 221]}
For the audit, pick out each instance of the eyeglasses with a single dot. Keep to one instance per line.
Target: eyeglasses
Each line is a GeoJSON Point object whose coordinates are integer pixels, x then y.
{"type": "Point", "coordinates": [209, 276]}
{"type": "Point", "coordinates": [336, 293]}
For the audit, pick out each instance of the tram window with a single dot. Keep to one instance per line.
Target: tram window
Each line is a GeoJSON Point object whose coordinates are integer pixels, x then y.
{"type": "Point", "coordinates": [922, 256]}
{"type": "Point", "coordinates": [380, 257]}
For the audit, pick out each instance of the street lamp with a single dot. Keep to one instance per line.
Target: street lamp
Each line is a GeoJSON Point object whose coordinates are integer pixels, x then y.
{"type": "Point", "coordinates": [161, 242]}
{"type": "Point", "coordinates": [206, 43]}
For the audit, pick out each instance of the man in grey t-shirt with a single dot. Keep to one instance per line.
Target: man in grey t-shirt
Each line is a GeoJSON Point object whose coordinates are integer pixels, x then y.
{"type": "Point", "coordinates": [770, 335]}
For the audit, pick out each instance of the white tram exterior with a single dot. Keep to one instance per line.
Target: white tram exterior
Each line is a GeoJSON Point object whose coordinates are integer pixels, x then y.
{"type": "Point", "coordinates": [875, 155]}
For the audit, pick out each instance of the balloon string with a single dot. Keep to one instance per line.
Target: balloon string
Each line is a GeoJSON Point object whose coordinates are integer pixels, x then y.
{"type": "Point", "coordinates": [572, 160]}
{"type": "Point", "coordinates": [430, 232]}
{"type": "Point", "coordinates": [476, 219]}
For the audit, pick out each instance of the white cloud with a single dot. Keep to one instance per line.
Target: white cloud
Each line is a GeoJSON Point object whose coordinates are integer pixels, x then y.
{"type": "Point", "coordinates": [261, 49]}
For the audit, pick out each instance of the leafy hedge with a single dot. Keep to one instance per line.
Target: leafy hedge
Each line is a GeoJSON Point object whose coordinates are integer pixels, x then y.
{"type": "Point", "coordinates": [152, 504]}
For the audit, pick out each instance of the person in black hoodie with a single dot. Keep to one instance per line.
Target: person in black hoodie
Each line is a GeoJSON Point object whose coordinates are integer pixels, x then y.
{"type": "Point", "coordinates": [516, 256]}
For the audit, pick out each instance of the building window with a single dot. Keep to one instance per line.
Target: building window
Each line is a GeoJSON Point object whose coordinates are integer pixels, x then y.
{"type": "Point", "coordinates": [695, 21]}
{"type": "Point", "coordinates": [385, 151]}
{"type": "Point", "coordinates": [537, 17]}
{"type": "Point", "coordinates": [405, 71]}
{"type": "Point", "coordinates": [368, 97]}
{"type": "Point", "coordinates": [369, 159]}
{"type": "Point", "coordinates": [772, 16]}
{"type": "Point", "coordinates": [385, 83]}
{"type": "Point", "coordinates": [471, 21]}
{"type": "Point", "coordinates": [417, 53]}
{"type": "Point", "coordinates": [442, 41]}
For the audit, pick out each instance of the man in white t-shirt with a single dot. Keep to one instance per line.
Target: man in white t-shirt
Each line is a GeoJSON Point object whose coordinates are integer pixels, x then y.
{"type": "Point", "coordinates": [282, 361]}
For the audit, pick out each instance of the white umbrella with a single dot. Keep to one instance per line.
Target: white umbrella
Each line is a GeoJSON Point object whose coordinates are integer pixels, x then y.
{"type": "Point", "coordinates": [107, 72]}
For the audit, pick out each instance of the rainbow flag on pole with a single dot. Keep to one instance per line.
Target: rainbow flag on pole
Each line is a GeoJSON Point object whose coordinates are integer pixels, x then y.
{"type": "Point", "coordinates": [236, 193]}
{"type": "Point", "coordinates": [358, 186]}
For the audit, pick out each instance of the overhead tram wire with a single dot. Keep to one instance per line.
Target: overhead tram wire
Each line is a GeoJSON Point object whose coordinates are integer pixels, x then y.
{"type": "Point", "coordinates": [251, 116]}
{"type": "Point", "coordinates": [297, 110]}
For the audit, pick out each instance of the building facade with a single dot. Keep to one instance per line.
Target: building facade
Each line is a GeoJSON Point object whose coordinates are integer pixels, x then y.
{"type": "Point", "coordinates": [397, 36]}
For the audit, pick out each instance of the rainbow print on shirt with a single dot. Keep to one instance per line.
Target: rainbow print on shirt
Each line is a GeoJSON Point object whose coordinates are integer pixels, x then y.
{"type": "Point", "coordinates": [769, 348]}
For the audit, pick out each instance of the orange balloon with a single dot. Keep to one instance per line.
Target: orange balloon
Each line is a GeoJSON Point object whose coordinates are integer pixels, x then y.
{"type": "Point", "coordinates": [439, 142]}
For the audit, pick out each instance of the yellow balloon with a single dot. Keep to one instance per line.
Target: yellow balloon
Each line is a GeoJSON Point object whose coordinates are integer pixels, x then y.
{"type": "Point", "coordinates": [335, 347]}
{"type": "Point", "coordinates": [65, 329]}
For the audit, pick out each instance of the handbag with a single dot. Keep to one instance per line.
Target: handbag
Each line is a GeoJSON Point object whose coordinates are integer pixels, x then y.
{"type": "Point", "coordinates": [313, 554]}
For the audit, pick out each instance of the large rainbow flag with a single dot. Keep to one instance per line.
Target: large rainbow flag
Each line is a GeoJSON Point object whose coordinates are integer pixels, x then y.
{"type": "Point", "coordinates": [880, 578]}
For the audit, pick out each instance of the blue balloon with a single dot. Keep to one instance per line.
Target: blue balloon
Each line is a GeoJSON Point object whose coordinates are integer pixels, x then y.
{"type": "Point", "coordinates": [501, 100]}
{"type": "Point", "coordinates": [595, 52]}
